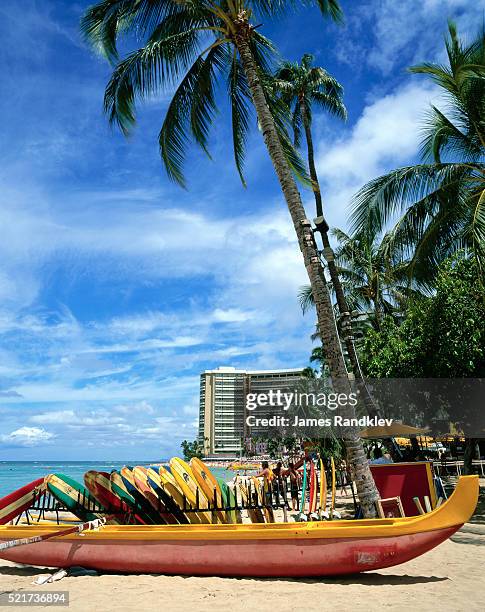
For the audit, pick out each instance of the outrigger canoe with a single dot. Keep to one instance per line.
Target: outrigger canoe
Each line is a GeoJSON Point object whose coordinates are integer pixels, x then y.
{"type": "Point", "coordinates": [273, 549]}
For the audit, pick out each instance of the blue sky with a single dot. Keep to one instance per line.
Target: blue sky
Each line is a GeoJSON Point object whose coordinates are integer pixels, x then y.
{"type": "Point", "coordinates": [117, 288]}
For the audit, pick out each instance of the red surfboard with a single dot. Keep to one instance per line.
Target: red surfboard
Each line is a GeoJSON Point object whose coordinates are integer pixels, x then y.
{"type": "Point", "coordinates": [99, 485]}
{"type": "Point", "coordinates": [19, 501]}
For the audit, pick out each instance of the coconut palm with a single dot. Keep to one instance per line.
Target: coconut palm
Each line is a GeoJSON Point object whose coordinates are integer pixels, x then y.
{"type": "Point", "coordinates": [374, 277]}
{"type": "Point", "coordinates": [442, 200]}
{"type": "Point", "coordinates": [191, 44]}
{"type": "Point", "coordinates": [303, 86]}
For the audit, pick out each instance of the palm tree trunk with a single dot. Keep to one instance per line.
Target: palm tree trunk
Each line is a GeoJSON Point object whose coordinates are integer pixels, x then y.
{"type": "Point", "coordinates": [346, 321]}
{"type": "Point", "coordinates": [470, 444]}
{"type": "Point", "coordinates": [366, 488]}
{"type": "Point", "coordinates": [343, 307]}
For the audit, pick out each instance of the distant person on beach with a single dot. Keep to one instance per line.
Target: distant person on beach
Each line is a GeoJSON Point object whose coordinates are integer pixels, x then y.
{"type": "Point", "coordinates": [268, 475]}
{"type": "Point", "coordinates": [278, 479]}
{"type": "Point", "coordinates": [294, 477]}
{"type": "Point", "coordinates": [380, 458]}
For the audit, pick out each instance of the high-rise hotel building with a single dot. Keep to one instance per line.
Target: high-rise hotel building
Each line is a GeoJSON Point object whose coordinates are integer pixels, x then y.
{"type": "Point", "coordinates": [222, 413]}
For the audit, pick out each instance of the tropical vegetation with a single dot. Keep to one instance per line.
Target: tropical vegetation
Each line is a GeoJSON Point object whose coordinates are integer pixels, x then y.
{"type": "Point", "coordinates": [440, 203]}
{"type": "Point", "coordinates": [192, 449]}
{"type": "Point", "coordinates": [442, 336]}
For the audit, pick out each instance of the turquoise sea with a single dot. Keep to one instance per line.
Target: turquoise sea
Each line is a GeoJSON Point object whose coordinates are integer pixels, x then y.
{"type": "Point", "coordinates": [15, 474]}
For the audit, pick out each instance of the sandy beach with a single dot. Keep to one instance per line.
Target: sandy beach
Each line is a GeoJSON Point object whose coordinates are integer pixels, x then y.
{"type": "Point", "coordinates": [447, 578]}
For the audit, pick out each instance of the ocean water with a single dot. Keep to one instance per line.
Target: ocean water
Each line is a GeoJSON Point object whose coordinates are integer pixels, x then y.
{"type": "Point", "coordinates": [15, 474]}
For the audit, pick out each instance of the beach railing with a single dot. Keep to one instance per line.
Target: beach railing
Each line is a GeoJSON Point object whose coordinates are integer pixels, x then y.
{"type": "Point", "coordinates": [444, 466]}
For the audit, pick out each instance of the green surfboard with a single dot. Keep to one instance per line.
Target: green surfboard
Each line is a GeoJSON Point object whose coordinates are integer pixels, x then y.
{"type": "Point", "coordinates": [229, 499]}
{"type": "Point", "coordinates": [73, 496]}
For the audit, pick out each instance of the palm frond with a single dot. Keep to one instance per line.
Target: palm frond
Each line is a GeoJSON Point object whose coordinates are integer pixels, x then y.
{"type": "Point", "coordinates": [382, 198]}
{"type": "Point", "coordinates": [167, 55]}
{"type": "Point", "coordinates": [331, 103]}
{"type": "Point", "coordinates": [305, 297]}
{"type": "Point", "coordinates": [190, 112]}
{"type": "Point", "coordinates": [104, 23]}
{"type": "Point", "coordinates": [442, 134]}
{"type": "Point", "coordinates": [240, 97]}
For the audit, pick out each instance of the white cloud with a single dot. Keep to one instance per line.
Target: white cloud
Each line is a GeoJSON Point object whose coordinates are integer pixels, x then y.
{"type": "Point", "coordinates": [386, 135]}
{"type": "Point", "coordinates": [27, 436]}
{"type": "Point", "coordinates": [230, 315]}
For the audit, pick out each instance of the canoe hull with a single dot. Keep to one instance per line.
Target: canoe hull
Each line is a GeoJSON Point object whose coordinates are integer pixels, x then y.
{"type": "Point", "coordinates": [271, 549]}
{"type": "Point", "coordinates": [271, 558]}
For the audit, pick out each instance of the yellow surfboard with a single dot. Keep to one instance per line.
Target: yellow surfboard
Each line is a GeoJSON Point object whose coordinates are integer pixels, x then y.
{"type": "Point", "coordinates": [188, 484]}
{"type": "Point", "coordinates": [259, 487]}
{"type": "Point", "coordinates": [255, 514]}
{"type": "Point", "coordinates": [209, 485]}
{"type": "Point", "coordinates": [172, 487]}
{"type": "Point", "coordinates": [171, 490]}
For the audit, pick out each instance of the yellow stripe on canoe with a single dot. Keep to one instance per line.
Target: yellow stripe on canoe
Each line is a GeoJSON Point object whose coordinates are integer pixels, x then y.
{"type": "Point", "coordinates": [452, 513]}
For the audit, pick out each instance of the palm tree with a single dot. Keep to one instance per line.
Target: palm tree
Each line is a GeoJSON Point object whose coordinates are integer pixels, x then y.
{"type": "Point", "coordinates": [374, 278]}
{"type": "Point", "coordinates": [442, 200]}
{"type": "Point", "coordinates": [190, 44]}
{"type": "Point", "coordinates": [301, 86]}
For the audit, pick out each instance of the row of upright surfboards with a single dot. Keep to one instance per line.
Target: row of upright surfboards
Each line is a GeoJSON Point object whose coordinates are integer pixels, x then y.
{"type": "Point", "coordinates": [140, 495]}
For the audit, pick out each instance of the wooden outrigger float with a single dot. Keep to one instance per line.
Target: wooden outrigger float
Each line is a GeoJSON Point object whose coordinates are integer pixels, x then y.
{"type": "Point", "coordinates": [277, 549]}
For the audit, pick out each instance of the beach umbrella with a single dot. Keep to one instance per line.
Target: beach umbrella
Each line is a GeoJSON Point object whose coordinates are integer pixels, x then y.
{"type": "Point", "coordinates": [392, 431]}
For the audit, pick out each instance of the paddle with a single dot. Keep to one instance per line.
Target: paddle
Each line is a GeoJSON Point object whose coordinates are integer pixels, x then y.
{"type": "Point", "coordinates": [96, 524]}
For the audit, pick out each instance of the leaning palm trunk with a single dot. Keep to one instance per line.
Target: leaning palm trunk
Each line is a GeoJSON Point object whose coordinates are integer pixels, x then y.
{"type": "Point", "coordinates": [366, 488]}
{"type": "Point", "coordinates": [346, 321]}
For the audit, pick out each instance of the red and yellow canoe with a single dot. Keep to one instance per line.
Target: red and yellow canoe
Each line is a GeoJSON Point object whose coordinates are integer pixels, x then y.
{"type": "Point", "coordinates": [272, 549]}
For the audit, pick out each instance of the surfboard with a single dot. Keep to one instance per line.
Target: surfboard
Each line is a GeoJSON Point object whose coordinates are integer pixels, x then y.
{"type": "Point", "coordinates": [303, 489]}
{"type": "Point", "coordinates": [119, 489]}
{"type": "Point", "coordinates": [258, 488]}
{"type": "Point", "coordinates": [159, 503]}
{"type": "Point", "coordinates": [73, 496]}
{"type": "Point", "coordinates": [185, 479]}
{"type": "Point", "coordinates": [158, 487]}
{"type": "Point", "coordinates": [229, 501]}
{"type": "Point", "coordinates": [129, 482]}
{"type": "Point", "coordinates": [323, 489]}
{"type": "Point", "coordinates": [313, 489]}
{"type": "Point", "coordinates": [99, 485]}
{"type": "Point", "coordinates": [171, 487]}
{"type": "Point", "coordinates": [209, 485]}
{"type": "Point", "coordinates": [14, 504]}
{"type": "Point", "coordinates": [255, 514]}
{"type": "Point", "coordinates": [334, 486]}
